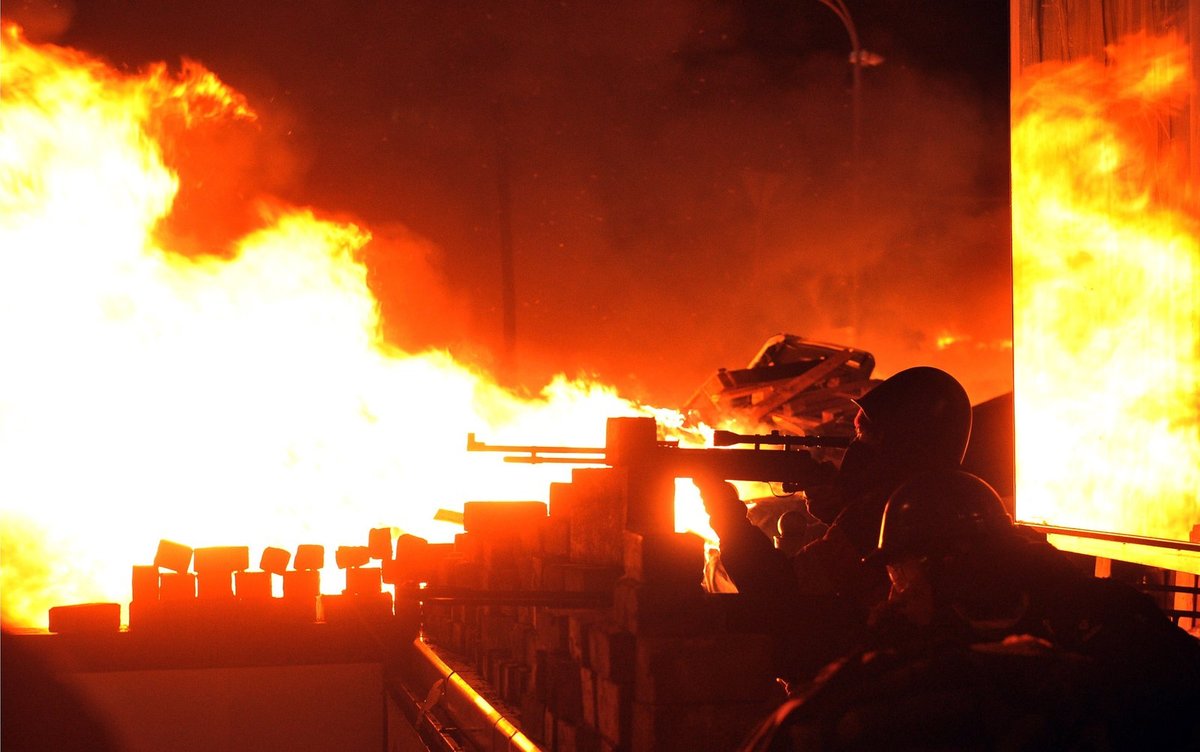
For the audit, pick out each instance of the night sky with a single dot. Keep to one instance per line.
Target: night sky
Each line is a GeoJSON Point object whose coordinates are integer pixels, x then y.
{"type": "Point", "coordinates": [678, 179]}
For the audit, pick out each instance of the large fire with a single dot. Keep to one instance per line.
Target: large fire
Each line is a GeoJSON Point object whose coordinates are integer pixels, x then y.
{"type": "Point", "coordinates": [1107, 317]}
{"type": "Point", "coordinates": [212, 399]}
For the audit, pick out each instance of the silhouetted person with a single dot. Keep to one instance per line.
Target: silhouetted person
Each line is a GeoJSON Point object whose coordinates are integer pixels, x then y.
{"type": "Point", "coordinates": [993, 639]}
{"type": "Point", "coordinates": [819, 598]}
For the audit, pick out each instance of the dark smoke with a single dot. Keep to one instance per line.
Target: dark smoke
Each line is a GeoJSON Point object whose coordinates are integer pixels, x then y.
{"type": "Point", "coordinates": [682, 175]}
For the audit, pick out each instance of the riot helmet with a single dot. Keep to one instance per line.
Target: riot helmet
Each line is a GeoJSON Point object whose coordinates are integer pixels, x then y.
{"type": "Point", "coordinates": [941, 512]}
{"type": "Point", "coordinates": [922, 413]}
{"type": "Point", "coordinates": [917, 420]}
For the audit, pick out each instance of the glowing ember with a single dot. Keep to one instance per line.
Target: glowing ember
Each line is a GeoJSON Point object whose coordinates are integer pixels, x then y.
{"type": "Point", "coordinates": [212, 401]}
{"type": "Point", "coordinates": [1107, 317]}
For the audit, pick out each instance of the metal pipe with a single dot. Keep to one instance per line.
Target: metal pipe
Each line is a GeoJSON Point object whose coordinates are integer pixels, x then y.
{"type": "Point", "coordinates": [843, 13]}
{"type": "Point", "coordinates": [484, 727]}
{"type": "Point", "coordinates": [1115, 537]}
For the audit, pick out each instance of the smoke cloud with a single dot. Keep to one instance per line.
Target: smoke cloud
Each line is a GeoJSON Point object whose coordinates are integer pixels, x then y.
{"type": "Point", "coordinates": [681, 178]}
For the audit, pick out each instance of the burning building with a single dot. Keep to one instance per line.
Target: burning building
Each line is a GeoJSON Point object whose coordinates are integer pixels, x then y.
{"type": "Point", "coordinates": [1104, 257]}
{"type": "Point", "coordinates": [574, 618]}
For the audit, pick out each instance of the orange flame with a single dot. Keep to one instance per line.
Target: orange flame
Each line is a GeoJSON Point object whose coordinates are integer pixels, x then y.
{"type": "Point", "coordinates": [208, 400]}
{"type": "Point", "coordinates": [1107, 319]}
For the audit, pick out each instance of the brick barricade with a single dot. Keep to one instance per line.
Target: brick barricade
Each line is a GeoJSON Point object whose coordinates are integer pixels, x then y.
{"type": "Point", "coordinates": [595, 634]}
{"type": "Point", "coordinates": [665, 666]}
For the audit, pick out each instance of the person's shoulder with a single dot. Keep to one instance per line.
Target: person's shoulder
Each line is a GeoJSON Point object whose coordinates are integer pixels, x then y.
{"type": "Point", "coordinates": [970, 696]}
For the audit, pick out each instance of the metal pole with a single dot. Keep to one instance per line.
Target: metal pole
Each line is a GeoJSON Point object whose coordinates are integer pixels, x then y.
{"type": "Point", "coordinates": [843, 13]}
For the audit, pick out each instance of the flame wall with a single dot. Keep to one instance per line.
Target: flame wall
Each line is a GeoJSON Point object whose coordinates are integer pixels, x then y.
{"type": "Point", "coordinates": [245, 398]}
{"type": "Point", "coordinates": [1105, 266]}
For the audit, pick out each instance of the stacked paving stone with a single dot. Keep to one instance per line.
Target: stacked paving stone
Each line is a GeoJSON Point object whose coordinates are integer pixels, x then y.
{"type": "Point", "coordinates": [606, 640]}
{"type": "Point", "coordinates": [583, 619]}
{"type": "Point", "coordinates": [188, 588]}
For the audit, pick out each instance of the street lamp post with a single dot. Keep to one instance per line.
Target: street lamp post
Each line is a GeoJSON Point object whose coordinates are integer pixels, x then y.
{"type": "Point", "coordinates": [856, 59]}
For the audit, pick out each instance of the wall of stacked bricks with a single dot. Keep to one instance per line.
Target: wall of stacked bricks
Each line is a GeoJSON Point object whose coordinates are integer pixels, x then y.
{"type": "Point", "coordinates": [653, 662]}
{"type": "Point", "coordinates": [666, 665]}
{"type": "Point", "coordinates": [202, 588]}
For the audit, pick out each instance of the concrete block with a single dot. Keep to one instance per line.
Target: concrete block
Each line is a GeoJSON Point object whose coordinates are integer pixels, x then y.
{"type": "Point", "coordinates": [467, 546]}
{"type": "Point", "coordinates": [630, 441]}
{"type": "Point", "coordinates": [410, 562]}
{"type": "Point", "coordinates": [410, 545]}
{"type": "Point", "coordinates": [548, 573]}
{"type": "Point", "coordinates": [500, 578]}
{"type": "Point", "coordinates": [549, 726]}
{"type": "Point", "coordinates": [495, 631]}
{"type": "Point", "coordinates": [173, 556]}
{"type": "Point", "coordinates": [533, 719]}
{"type": "Point", "coordinates": [589, 578]}
{"type": "Point", "coordinates": [177, 586]}
{"type": "Point", "coordinates": [614, 710]}
{"type": "Point", "coordinates": [611, 652]}
{"type": "Point", "coordinates": [553, 631]}
{"type": "Point", "coordinates": [554, 537]}
{"type": "Point", "coordinates": [673, 560]}
{"type": "Point", "coordinates": [631, 446]}
{"type": "Point", "coordinates": [274, 612]}
{"type": "Point", "coordinates": [221, 559]}
{"type": "Point", "coordinates": [587, 691]}
{"type": "Point", "coordinates": [408, 615]}
{"type": "Point", "coordinates": [561, 495]}
{"type": "Point", "coordinates": [727, 667]}
{"type": "Point", "coordinates": [145, 584]}
{"type": "Point", "coordinates": [577, 643]}
{"type": "Point", "coordinates": [156, 616]}
{"type": "Point", "coordinates": [564, 692]}
{"type": "Point", "coordinates": [379, 543]}
{"type": "Point", "coordinates": [142, 614]}
{"type": "Point", "coordinates": [492, 665]}
{"type": "Point", "coordinates": [437, 554]}
{"type": "Point", "coordinates": [526, 576]}
{"type": "Point", "coordinates": [596, 502]}
{"type": "Point", "coordinates": [463, 573]}
{"type": "Point", "coordinates": [526, 639]}
{"type": "Point", "coordinates": [274, 560]}
{"type": "Point", "coordinates": [85, 618]}
{"type": "Point", "coordinates": [504, 552]}
{"type": "Point", "coordinates": [351, 556]}
{"type": "Point", "coordinates": [657, 611]}
{"type": "Point", "coordinates": [309, 556]}
{"type": "Point", "coordinates": [364, 580]}
{"type": "Point", "coordinates": [565, 732]}
{"type": "Point", "coordinates": [500, 668]}
{"type": "Point", "coordinates": [301, 583]}
{"type": "Point", "coordinates": [514, 681]}
{"type": "Point", "coordinates": [391, 573]}
{"type": "Point", "coordinates": [252, 586]}
{"type": "Point", "coordinates": [416, 560]}
{"type": "Point", "coordinates": [348, 608]}
{"type": "Point", "coordinates": [503, 518]}
{"type": "Point", "coordinates": [587, 739]}
{"type": "Point", "coordinates": [190, 616]}
{"type": "Point", "coordinates": [214, 584]}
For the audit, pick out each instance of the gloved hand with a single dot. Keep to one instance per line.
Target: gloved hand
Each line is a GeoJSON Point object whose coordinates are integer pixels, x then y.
{"type": "Point", "coordinates": [721, 502]}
